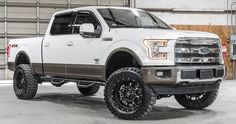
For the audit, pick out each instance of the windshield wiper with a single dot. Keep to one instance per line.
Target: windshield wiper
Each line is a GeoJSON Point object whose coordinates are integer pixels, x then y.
{"type": "Point", "coordinates": [134, 26]}
{"type": "Point", "coordinates": [155, 27]}
{"type": "Point", "coordinates": [125, 26]}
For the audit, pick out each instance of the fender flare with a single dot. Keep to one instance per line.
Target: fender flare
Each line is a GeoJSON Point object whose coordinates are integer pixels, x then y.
{"type": "Point", "coordinates": [18, 55]}
{"type": "Point", "coordinates": [124, 50]}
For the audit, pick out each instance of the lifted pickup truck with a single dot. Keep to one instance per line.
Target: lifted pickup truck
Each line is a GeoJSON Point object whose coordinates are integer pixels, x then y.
{"type": "Point", "coordinates": [134, 54]}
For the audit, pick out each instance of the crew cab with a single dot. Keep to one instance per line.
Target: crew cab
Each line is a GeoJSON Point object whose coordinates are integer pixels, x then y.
{"type": "Point", "coordinates": [134, 54]}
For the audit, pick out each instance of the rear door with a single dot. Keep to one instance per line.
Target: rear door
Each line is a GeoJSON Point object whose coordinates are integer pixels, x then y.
{"type": "Point", "coordinates": [54, 45]}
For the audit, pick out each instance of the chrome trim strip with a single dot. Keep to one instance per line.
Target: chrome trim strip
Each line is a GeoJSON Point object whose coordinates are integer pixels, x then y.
{"type": "Point", "coordinates": [205, 42]}
{"type": "Point", "coordinates": [198, 60]}
{"type": "Point", "coordinates": [195, 50]}
{"type": "Point", "coordinates": [197, 41]}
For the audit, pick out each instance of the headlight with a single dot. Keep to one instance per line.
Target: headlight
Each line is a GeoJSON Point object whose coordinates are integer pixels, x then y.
{"type": "Point", "coordinates": [154, 48]}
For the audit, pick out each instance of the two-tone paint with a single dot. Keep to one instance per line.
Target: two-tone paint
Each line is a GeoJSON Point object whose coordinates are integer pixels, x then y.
{"type": "Point", "coordinates": [73, 56]}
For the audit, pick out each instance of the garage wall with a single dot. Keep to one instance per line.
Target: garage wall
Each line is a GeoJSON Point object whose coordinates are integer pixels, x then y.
{"type": "Point", "coordinates": [190, 12]}
{"type": "Point", "coordinates": [28, 18]}
{"type": "Point", "coordinates": [190, 4]}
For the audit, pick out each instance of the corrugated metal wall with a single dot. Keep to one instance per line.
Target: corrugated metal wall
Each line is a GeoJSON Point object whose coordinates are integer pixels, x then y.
{"type": "Point", "coordinates": [190, 12]}
{"type": "Point", "coordinates": [27, 18]}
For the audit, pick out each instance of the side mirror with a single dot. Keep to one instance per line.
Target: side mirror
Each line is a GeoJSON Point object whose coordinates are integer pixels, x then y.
{"type": "Point", "coordinates": [86, 28]}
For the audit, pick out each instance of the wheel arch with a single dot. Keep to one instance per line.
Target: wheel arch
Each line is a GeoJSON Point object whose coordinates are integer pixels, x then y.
{"type": "Point", "coordinates": [123, 49]}
{"type": "Point", "coordinates": [119, 50]}
{"type": "Point", "coordinates": [22, 58]}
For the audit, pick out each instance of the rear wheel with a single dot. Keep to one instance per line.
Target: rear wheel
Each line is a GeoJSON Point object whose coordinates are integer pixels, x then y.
{"type": "Point", "coordinates": [24, 84]}
{"type": "Point", "coordinates": [126, 96]}
{"type": "Point", "coordinates": [89, 91]}
{"type": "Point", "coordinates": [197, 101]}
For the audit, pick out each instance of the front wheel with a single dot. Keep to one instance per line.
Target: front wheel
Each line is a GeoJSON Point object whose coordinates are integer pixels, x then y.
{"type": "Point", "coordinates": [24, 84]}
{"type": "Point", "coordinates": [196, 101]}
{"type": "Point", "coordinates": [126, 95]}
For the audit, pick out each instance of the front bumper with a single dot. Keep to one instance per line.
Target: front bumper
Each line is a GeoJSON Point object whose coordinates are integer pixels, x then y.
{"type": "Point", "coordinates": [186, 89]}
{"type": "Point", "coordinates": [179, 75]}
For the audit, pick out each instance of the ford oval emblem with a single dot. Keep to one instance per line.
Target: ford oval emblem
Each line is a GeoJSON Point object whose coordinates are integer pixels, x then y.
{"type": "Point", "coordinates": [204, 50]}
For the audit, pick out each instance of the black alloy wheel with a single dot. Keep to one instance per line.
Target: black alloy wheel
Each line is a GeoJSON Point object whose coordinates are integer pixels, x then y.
{"type": "Point", "coordinates": [128, 95]}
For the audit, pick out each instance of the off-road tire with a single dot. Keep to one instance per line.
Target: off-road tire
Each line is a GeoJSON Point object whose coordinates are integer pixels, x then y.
{"type": "Point", "coordinates": [124, 76]}
{"type": "Point", "coordinates": [24, 84]}
{"type": "Point", "coordinates": [89, 91]}
{"type": "Point", "coordinates": [206, 100]}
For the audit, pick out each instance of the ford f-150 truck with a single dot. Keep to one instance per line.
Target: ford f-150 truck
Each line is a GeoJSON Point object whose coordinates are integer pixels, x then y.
{"type": "Point", "coordinates": [135, 55]}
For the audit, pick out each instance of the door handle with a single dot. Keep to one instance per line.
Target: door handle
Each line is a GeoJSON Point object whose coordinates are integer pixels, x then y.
{"type": "Point", "coordinates": [70, 43]}
{"type": "Point", "coordinates": [46, 44]}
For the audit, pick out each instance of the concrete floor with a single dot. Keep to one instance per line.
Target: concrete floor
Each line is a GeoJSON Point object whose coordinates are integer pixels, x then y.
{"type": "Point", "coordinates": [65, 105]}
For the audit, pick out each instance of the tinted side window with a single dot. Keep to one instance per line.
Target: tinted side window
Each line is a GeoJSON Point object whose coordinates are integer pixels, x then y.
{"type": "Point", "coordinates": [106, 14]}
{"type": "Point", "coordinates": [62, 24]}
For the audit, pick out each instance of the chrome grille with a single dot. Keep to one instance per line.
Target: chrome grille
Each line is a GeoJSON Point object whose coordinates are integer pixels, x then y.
{"type": "Point", "coordinates": [197, 51]}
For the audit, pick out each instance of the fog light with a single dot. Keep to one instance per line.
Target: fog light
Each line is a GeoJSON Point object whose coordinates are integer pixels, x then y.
{"type": "Point", "coordinates": [160, 74]}
{"type": "Point", "coordinates": [163, 73]}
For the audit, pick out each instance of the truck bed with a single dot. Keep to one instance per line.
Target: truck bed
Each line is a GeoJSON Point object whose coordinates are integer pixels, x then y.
{"type": "Point", "coordinates": [29, 45]}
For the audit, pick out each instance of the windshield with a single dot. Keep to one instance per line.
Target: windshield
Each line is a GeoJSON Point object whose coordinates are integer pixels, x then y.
{"type": "Point", "coordinates": [118, 18]}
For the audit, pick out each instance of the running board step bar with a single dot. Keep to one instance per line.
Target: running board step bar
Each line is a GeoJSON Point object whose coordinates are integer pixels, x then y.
{"type": "Point", "coordinates": [61, 81]}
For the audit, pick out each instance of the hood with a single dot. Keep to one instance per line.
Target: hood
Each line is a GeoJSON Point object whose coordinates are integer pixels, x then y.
{"type": "Point", "coordinates": [166, 34]}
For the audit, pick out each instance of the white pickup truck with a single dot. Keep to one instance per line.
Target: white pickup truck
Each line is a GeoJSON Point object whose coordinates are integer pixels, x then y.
{"type": "Point", "coordinates": [134, 54]}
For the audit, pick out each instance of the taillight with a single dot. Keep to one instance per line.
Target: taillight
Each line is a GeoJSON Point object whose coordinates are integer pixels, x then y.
{"type": "Point", "coordinates": [8, 50]}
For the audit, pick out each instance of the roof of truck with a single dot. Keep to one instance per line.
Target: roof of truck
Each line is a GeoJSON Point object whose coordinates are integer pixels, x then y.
{"type": "Point", "coordinates": [94, 7]}
{"type": "Point", "coordinates": [98, 7]}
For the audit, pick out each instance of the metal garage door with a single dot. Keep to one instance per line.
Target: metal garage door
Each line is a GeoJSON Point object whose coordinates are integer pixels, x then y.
{"type": "Point", "coordinates": [27, 18]}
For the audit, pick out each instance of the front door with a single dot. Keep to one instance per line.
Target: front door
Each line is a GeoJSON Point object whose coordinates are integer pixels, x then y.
{"type": "Point", "coordinates": [83, 52]}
